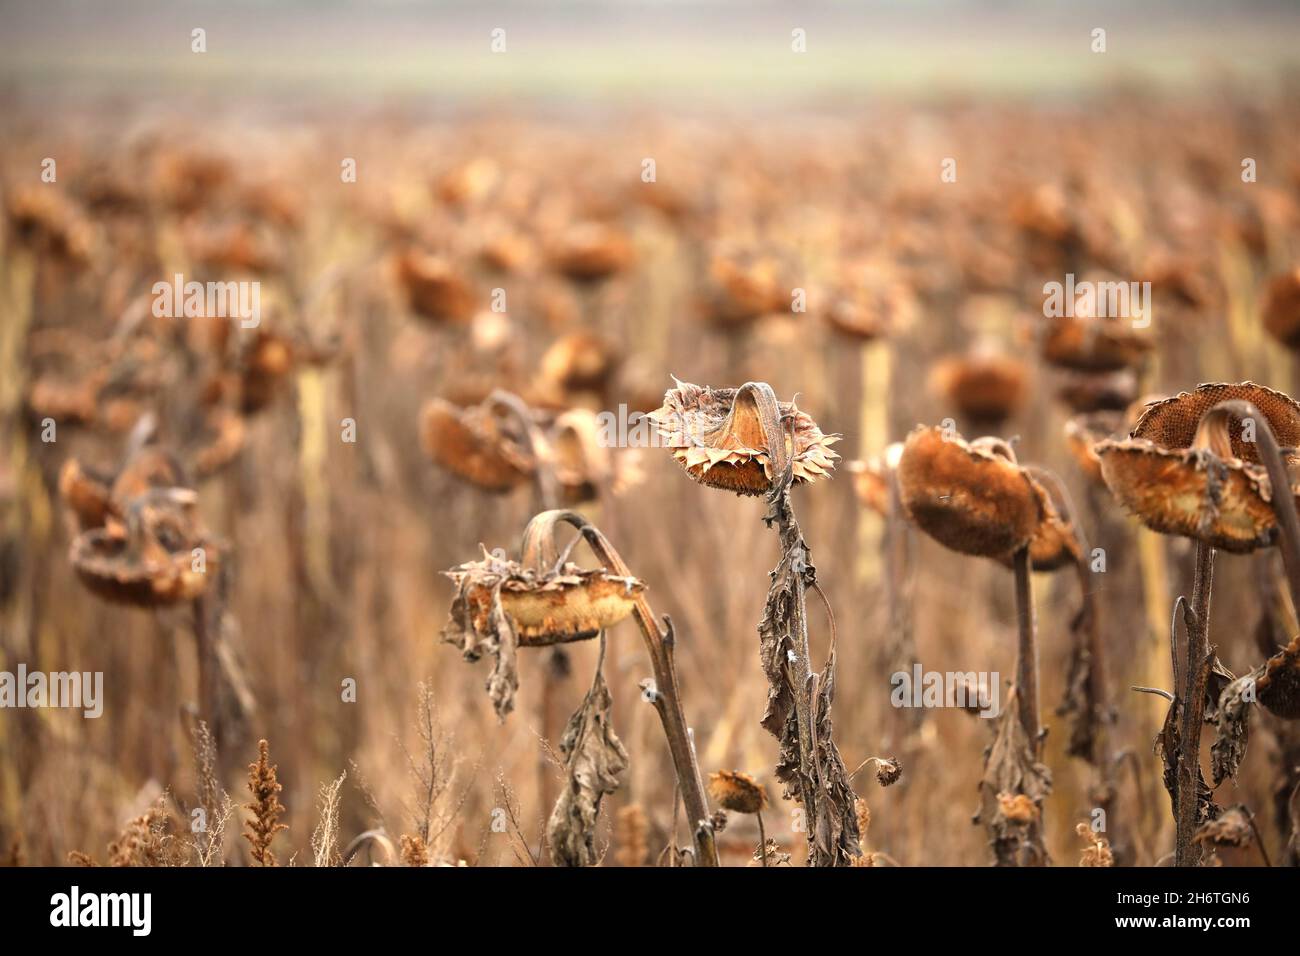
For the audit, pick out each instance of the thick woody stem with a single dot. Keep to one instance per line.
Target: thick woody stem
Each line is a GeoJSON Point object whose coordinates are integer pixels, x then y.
{"type": "Point", "coordinates": [1195, 673]}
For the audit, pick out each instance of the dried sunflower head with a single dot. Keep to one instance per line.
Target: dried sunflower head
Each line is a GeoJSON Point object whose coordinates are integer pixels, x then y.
{"type": "Point", "coordinates": [434, 288]}
{"type": "Point", "coordinates": [1282, 309]}
{"type": "Point", "coordinates": [477, 444]}
{"type": "Point", "coordinates": [737, 792]}
{"type": "Point", "coordinates": [743, 285]}
{"type": "Point", "coordinates": [971, 497]}
{"type": "Point", "coordinates": [1056, 543]}
{"type": "Point", "coordinates": [872, 476]}
{"type": "Point", "coordinates": [1279, 687]}
{"type": "Point", "coordinates": [986, 387]}
{"type": "Point", "coordinates": [1083, 431]}
{"type": "Point", "coordinates": [590, 252]}
{"type": "Point", "coordinates": [554, 606]}
{"type": "Point", "coordinates": [584, 464]}
{"type": "Point", "coordinates": [151, 560]}
{"type": "Point", "coordinates": [1090, 344]}
{"type": "Point", "coordinates": [1097, 391]}
{"type": "Point", "coordinates": [1204, 481]}
{"type": "Point", "coordinates": [719, 437]}
{"type": "Point", "coordinates": [577, 362]}
{"type": "Point", "coordinates": [86, 492]}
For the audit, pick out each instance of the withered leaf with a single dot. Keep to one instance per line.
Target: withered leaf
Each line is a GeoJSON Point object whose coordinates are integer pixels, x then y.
{"type": "Point", "coordinates": [497, 639]}
{"type": "Point", "coordinates": [594, 758]}
{"type": "Point", "coordinates": [809, 764]}
{"type": "Point", "coordinates": [1168, 744]}
{"type": "Point", "coordinates": [1232, 731]}
{"type": "Point", "coordinates": [1012, 792]}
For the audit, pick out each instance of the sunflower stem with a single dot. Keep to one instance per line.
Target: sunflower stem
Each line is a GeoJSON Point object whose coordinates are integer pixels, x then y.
{"type": "Point", "coordinates": [1027, 653]}
{"type": "Point", "coordinates": [1195, 674]}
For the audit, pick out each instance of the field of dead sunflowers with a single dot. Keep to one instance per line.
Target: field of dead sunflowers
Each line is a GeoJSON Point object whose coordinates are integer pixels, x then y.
{"type": "Point", "coordinates": [653, 487]}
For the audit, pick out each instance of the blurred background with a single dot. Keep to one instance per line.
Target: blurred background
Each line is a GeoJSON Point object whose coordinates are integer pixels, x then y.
{"type": "Point", "coordinates": [918, 173]}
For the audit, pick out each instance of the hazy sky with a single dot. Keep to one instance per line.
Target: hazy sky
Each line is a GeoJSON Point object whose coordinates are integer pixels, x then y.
{"type": "Point", "coordinates": [674, 47]}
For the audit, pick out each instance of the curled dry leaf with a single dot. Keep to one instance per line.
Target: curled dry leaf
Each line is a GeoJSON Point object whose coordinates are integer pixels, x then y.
{"type": "Point", "coordinates": [594, 758]}
{"type": "Point", "coordinates": [1096, 849]}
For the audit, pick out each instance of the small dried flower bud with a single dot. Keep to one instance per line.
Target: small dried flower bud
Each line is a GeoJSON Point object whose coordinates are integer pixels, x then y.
{"type": "Point", "coordinates": [738, 792]}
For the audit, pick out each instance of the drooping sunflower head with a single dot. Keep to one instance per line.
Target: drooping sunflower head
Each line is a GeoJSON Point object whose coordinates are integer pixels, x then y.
{"type": "Point", "coordinates": [726, 437]}
{"type": "Point", "coordinates": [1181, 473]}
{"type": "Point", "coordinates": [971, 497]}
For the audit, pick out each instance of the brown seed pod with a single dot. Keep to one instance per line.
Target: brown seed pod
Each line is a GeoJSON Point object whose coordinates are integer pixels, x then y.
{"type": "Point", "coordinates": [1279, 687]}
{"type": "Point", "coordinates": [559, 606]}
{"type": "Point", "coordinates": [971, 497]}
{"type": "Point", "coordinates": [1093, 344]}
{"type": "Point", "coordinates": [434, 289]}
{"type": "Point", "coordinates": [737, 792]}
{"type": "Point", "coordinates": [1282, 308]}
{"type": "Point", "coordinates": [1179, 477]}
{"type": "Point", "coordinates": [1083, 431]}
{"type": "Point", "coordinates": [985, 387]}
{"type": "Point", "coordinates": [591, 251]}
{"type": "Point", "coordinates": [476, 444]}
{"type": "Point", "coordinates": [717, 435]}
{"type": "Point", "coordinates": [150, 563]}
